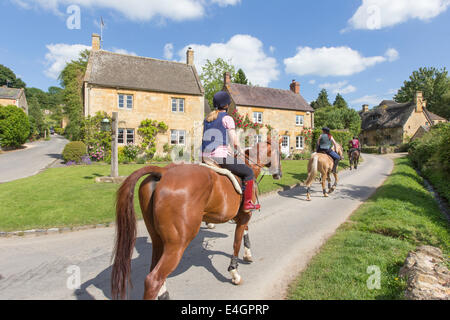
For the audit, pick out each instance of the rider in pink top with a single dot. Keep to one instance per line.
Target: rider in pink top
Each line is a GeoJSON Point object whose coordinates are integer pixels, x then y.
{"type": "Point", "coordinates": [223, 151]}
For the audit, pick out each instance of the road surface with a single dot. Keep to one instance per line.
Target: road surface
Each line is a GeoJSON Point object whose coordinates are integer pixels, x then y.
{"type": "Point", "coordinates": [284, 236]}
{"type": "Point", "coordinates": [30, 161]}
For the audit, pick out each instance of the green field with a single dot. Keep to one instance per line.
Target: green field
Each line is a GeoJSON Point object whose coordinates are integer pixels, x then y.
{"type": "Point", "coordinates": [68, 196]}
{"type": "Point", "coordinates": [400, 216]}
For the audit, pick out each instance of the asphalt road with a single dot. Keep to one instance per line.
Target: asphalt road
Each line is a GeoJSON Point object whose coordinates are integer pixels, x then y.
{"type": "Point", "coordinates": [30, 161]}
{"type": "Point", "coordinates": [284, 236]}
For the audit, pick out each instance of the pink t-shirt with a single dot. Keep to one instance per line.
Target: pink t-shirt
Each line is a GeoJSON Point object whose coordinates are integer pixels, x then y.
{"type": "Point", "coordinates": [223, 151]}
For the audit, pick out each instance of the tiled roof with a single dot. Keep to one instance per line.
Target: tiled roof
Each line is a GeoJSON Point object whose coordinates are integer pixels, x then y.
{"type": "Point", "coordinates": [10, 93]}
{"type": "Point", "coordinates": [126, 71]}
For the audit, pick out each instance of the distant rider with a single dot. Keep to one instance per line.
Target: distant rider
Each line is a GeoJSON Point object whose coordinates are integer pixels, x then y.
{"type": "Point", "coordinates": [325, 144]}
{"type": "Point", "coordinates": [354, 145]}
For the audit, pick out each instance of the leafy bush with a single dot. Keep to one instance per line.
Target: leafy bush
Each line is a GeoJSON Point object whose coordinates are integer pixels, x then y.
{"type": "Point", "coordinates": [148, 130]}
{"type": "Point", "coordinates": [131, 151]}
{"type": "Point", "coordinates": [93, 135]}
{"type": "Point", "coordinates": [97, 152]}
{"type": "Point", "coordinates": [59, 131]}
{"type": "Point", "coordinates": [74, 151]}
{"type": "Point", "coordinates": [14, 127]}
{"type": "Point", "coordinates": [370, 149]}
{"type": "Point", "coordinates": [306, 155]}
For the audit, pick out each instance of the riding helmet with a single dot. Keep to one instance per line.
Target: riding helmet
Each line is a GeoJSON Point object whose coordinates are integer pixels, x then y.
{"type": "Point", "coordinates": [221, 99]}
{"type": "Point", "coordinates": [326, 129]}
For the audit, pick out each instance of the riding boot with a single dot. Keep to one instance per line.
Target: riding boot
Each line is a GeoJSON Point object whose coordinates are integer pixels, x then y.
{"type": "Point", "coordinates": [336, 162]}
{"type": "Point", "coordinates": [248, 196]}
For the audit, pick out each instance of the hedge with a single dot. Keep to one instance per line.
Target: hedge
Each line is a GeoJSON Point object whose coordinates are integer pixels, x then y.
{"type": "Point", "coordinates": [74, 151]}
{"type": "Point", "coordinates": [14, 127]}
{"type": "Point", "coordinates": [342, 137]}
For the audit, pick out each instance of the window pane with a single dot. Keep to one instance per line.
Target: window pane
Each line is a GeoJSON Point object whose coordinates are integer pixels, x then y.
{"type": "Point", "coordinates": [129, 102]}
{"type": "Point", "coordinates": [285, 142]}
{"type": "Point", "coordinates": [130, 136]}
{"type": "Point", "coordinates": [120, 136]}
{"type": "Point", "coordinates": [173, 137]}
{"type": "Point", "coordinates": [174, 105]}
{"type": "Point", "coordinates": [181, 137]}
{"type": "Point", "coordinates": [121, 101]}
{"type": "Point", "coordinates": [181, 105]}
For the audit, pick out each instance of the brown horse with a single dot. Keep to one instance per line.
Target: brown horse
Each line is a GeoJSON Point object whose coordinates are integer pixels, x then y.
{"type": "Point", "coordinates": [174, 201]}
{"type": "Point", "coordinates": [323, 163]}
{"type": "Point", "coordinates": [354, 158]}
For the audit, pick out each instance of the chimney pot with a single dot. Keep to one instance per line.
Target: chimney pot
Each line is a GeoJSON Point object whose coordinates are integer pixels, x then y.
{"type": "Point", "coordinates": [95, 42]}
{"type": "Point", "coordinates": [420, 103]}
{"type": "Point", "coordinates": [365, 108]}
{"type": "Point", "coordinates": [190, 56]}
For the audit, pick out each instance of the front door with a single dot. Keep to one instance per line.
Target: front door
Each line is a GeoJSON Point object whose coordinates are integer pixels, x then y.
{"type": "Point", "coordinates": [285, 145]}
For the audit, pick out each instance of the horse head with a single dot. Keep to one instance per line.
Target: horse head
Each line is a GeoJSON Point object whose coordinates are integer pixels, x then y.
{"type": "Point", "coordinates": [267, 154]}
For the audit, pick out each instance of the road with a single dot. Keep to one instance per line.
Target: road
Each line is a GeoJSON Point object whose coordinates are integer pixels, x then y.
{"type": "Point", "coordinates": [285, 235]}
{"type": "Point", "coordinates": [28, 162]}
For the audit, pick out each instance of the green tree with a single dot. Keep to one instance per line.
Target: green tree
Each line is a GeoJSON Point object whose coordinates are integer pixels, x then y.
{"type": "Point", "coordinates": [71, 79]}
{"type": "Point", "coordinates": [14, 127]}
{"type": "Point", "coordinates": [338, 118]}
{"type": "Point", "coordinates": [148, 130]}
{"type": "Point", "coordinates": [8, 77]}
{"type": "Point", "coordinates": [212, 77]}
{"type": "Point", "coordinates": [340, 102]}
{"type": "Point", "coordinates": [435, 85]}
{"type": "Point", "coordinates": [240, 77]}
{"type": "Point", "coordinates": [36, 117]}
{"type": "Point", "coordinates": [322, 100]}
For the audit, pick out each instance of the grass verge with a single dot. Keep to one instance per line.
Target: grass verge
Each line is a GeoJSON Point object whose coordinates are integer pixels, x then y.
{"type": "Point", "coordinates": [68, 196]}
{"type": "Point", "coordinates": [401, 215]}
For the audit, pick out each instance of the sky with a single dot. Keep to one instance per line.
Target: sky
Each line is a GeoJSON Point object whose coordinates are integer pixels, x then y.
{"type": "Point", "coordinates": [362, 49]}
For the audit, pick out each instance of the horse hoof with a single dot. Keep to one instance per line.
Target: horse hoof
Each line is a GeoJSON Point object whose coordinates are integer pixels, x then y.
{"type": "Point", "coordinates": [308, 197]}
{"type": "Point", "coordinates": [211, 226]}
{"type": "Point", "coordinates": [164, 296]}
{"type": "Point", "coordinates": [325, 195]}
{"type": "Point", "coordinates": [248, 259]}
{"type": "Point", "coordinates": [235, 277]}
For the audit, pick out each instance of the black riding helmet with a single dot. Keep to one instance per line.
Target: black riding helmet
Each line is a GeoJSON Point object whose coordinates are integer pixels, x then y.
{"type": "Point", "coordinates": [326, 130]}
{"type": "Point", "coordinates": [221, 99]}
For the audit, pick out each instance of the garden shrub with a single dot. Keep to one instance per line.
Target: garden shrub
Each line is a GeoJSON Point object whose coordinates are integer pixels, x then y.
{"type": "Point", "coordinates": [14, 127]}
{"type": "Point", "coordinates": [131, 152]}
{"type": "Point", "coordinates": [370, 149]}
{"type": "Point", "coordinates": [148, 130]}
{"type": "Point", "coordinates": [341, 136]}
{"type": "Point", "coordinates": [74, 151]}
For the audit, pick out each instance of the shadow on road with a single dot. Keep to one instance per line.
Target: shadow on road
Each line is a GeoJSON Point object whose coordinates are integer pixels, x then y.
{"type": "Point", "coordinates": [196, 255]}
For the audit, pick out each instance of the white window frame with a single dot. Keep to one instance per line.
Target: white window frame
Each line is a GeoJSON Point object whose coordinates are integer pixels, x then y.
{"type": "Point", "coordinates": [126, 104]}
{"type": "Point", "coordinates": [297, 140]}
{"type": "Point", "coordinates": [125, 136]}
{"type": "Point", "coordinates": [257, 117]}
{"type": "Point", "coordinates": [133, 133]}
{"type": "Point", "coordinates": [178, 134]}
{"type": "Point", "coordinates": [179, 107]}
{"type": "Point", "coordinates": [299, 123]}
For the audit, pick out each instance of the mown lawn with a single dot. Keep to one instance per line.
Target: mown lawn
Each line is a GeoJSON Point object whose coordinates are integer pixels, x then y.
{"type": "Point", "coordinates": [400, 216]}
{"type": "Point", "coordinates": [68, 196]}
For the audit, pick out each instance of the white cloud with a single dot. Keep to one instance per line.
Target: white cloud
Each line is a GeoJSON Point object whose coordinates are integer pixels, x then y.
{"type": "Point", "coordinates": [136, 10]}
{"type": "Point", "coordinates": [59, 54]}
{"type": "Point", "coordinates": [329, 61]}
{"type": "Point", "coordinates": [341, 87]}
{"type": "Point", "coordinates": [372, 100]}
{"type": "Point", "coordinates": [392, 54]}
{"type": "Point", "coordinates": [244, 51]}
{"type": "Point", "coordinates": [312, 81]}
{"type": "Point", "coordinates": [272, 49]}
{"type": "Point", "coordinates": [168, 51]}
{"type": "Point", "coordinates": [378, 14]}
{"type": "Point", "coordinates": [123, 51]}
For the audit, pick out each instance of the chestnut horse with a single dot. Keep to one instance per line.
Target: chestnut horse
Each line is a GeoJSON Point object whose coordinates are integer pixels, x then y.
{"type": "Point", "coordinates": [174, 201]}
{"type": "Point", "coordinates": [323, 163]}
{"type": "Point", "coordinates": [354, 159]}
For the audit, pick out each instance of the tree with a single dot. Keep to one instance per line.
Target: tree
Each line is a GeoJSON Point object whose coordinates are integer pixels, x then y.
{"type": "Point", "coordinates": [322, 100]}
{"type": "Point", "coordinates": [212, 77]}
{"type": "Point", "coordinates": [14, 127]}
{"type": "Point", "coordinates": [435, 85]}
{"type": "Point", "coordinates": [338, 118]}
{"type": "Point", "coordinates": [240, 77]}
{"type": "Point", "coordinates": [340, 102]}
{"type": "Point", "coordinates": [71, 79]}
{"type": "Point", "coordinates": [8, 77]}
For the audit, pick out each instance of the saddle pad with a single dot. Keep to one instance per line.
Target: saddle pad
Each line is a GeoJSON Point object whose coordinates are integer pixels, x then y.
{"type": "Point", "coordinates": [225, 172]}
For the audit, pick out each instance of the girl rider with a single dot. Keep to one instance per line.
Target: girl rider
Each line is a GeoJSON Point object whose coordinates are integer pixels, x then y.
{"type": "Point", "coordinates": [324, 145]}
{"type": "Point", "coordinates": [219, 139]}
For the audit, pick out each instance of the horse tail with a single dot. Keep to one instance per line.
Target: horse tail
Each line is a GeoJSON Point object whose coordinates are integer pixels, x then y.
{"type": "Point", "coordinates": [312, 169]}
{"type": "Point", "coordinates": [126, 231]}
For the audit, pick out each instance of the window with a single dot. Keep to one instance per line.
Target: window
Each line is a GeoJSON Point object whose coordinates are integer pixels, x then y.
{"type": "Point", "coordinates": [177, 137]}
{"type": "Point", "coordinates": [285, 142]}
{"type": "Point", "coordinates": [299, 120]}
{"type": "Point", "coordinates": [130, 136]}
{"type": "Point", "coordinates": [257, 117]}
{"type": "Point", "coordinates": [177, 105]}
{"type": "Point", "coordinates": [299, 142]}
{"type": "Point", "coordinates": [125, 100]}
{"type": "Point", "coordinates": [125, 136]}
{"type": "Point", "coordinates": [120, 137]}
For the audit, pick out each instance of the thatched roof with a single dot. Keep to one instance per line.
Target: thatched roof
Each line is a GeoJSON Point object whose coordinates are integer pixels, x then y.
{"type": "Point", "coordinates": [432, 116]}
{"type": "Point", "coordinates": [244, 95]}
{"type": "Point", "coordinates": [389, 114]}
{"type": "Point", "coordinates": [116, 70]}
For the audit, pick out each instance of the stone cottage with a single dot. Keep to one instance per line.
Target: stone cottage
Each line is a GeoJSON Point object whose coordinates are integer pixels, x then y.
{"type": "Point", "coordinates": [13, 96]}
{"type": "Point", "coordinates": [284, 110]}
{"type": "Point", "coordinates": [140, 88]}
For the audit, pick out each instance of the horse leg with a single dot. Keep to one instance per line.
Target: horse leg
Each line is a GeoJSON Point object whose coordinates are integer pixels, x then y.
{"type": "Point", "coordinates": [247, 252]}
{"type": "Point", "coordinates": [241, 224]}
{"type": "Point", "coordinates": [324, 178]}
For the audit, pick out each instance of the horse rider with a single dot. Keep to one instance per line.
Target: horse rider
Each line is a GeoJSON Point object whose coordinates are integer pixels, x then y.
{"type": "Point", "coordinates": [325, 144]}
{"type": "Point", "coordinates": [219, 141]}
{"type": "Point", "coordinates": [354, 145]}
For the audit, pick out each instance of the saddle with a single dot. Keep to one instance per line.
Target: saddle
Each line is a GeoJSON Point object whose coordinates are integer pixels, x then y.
{"type": "Point", "coordinates": [211, 164]}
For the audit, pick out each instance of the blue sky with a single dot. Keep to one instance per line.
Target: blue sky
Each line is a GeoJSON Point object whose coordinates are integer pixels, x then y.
{"type": "Point", "coordinates": [362, 49]}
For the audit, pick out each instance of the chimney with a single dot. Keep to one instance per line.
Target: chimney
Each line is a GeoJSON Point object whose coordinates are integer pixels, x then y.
{"type": "Point", "coordinates": [365, 108]}
{"type": "Point", "coordinates": [295, 87]}
{"type": "Point", "coordinates": [190, 56]}
{"type": "Point", "coordinates": [420, 103]}
{"type": "Point", "coordinates": [226, 78]}
{"type": "Point", "coordinates": [95, 42]}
